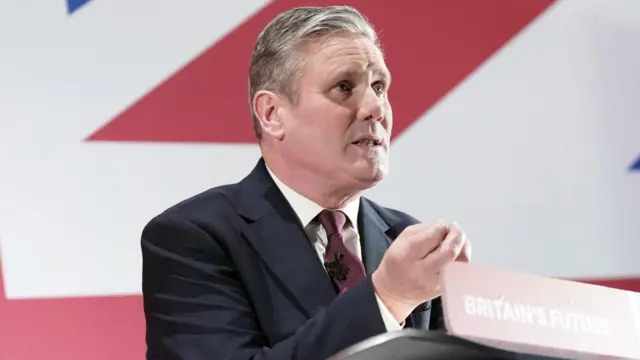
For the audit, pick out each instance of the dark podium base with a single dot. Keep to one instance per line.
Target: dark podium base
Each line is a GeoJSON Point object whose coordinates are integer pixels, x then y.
{"type": "Point", "coordinates": [425, 345]}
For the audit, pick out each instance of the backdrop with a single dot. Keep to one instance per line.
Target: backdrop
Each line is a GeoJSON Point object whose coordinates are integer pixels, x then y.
{"type": "Point", "coordinates": [519, 119]}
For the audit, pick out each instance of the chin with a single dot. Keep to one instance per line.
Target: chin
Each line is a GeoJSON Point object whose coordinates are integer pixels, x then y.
{"type": "Point", "coordinates": [371, 175]}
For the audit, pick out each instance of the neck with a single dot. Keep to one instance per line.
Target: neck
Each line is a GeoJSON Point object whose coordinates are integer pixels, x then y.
{"type": "Point", "coordinates": [313, 186]}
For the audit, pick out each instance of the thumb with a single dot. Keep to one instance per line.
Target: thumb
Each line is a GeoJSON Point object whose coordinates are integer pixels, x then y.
{"type": "Point", "coordinates": [425, 238]}
{"type": "Point", "coordinates": [465, 253]}
{"type": "Point", "coordinates": [451, 247]}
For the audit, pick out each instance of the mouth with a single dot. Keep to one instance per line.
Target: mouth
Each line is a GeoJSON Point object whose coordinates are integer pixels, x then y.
{"type": "Point", "coordinates": [369, 141]}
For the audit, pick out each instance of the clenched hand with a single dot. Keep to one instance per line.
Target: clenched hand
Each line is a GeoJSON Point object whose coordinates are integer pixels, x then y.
{"type": "Point", "coordinates": [409, 272]}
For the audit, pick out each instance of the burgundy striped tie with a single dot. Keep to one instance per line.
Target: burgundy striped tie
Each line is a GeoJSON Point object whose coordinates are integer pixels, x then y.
{"type": "Point", "coordinates": [343, 267]}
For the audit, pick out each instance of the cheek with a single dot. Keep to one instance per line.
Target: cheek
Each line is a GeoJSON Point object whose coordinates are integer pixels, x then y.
{"type": "Point", "coordinates": [327, 122]}
{"type": "Point", "coordinates": [321, 125]}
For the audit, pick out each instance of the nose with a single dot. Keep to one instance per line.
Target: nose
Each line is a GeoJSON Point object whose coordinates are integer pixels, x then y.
{"type": "Point", "coordinates": [371, 106]}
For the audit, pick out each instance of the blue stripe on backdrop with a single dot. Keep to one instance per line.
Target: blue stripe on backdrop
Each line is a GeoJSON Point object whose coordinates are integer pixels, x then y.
{"type": "Point", "coordinates": [636, 165]}
{"type": "Point", "coordinates": [73, 5]}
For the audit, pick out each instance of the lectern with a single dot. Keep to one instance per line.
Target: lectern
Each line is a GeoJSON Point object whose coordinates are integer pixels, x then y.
{"type": "Point", "coordinates": [426, 345]}
{"type": "Point", "coordinates": [492, 313]}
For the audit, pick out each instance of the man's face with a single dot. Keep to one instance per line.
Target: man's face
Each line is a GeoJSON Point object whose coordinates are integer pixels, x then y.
{"type": "Point", "coordinates": [339, 128]}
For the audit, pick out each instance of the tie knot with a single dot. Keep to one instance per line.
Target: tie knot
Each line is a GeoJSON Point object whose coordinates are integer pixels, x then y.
{"type": "Point", "coordinates": [332, 221]}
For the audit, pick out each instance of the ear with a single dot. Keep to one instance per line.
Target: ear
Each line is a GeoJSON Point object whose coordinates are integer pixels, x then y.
{"type": "Point", "coordinates": [266, 106]}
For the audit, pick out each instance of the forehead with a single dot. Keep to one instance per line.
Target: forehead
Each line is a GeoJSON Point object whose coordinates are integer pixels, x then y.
{"type": "Point", "coordinates": [344, 53]}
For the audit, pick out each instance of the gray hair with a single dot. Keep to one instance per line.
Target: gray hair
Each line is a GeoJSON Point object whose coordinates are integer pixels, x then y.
{"type": "Point", "coordinates": [276, 61]}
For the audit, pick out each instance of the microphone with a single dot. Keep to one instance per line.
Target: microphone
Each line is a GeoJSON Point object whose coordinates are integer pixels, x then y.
{"type": "Point", "coordinates": [337, 270]}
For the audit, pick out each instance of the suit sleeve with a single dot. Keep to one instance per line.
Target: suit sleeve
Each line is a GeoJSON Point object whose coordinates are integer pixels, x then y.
{"type": "Point", "coordinates": [196, 306]}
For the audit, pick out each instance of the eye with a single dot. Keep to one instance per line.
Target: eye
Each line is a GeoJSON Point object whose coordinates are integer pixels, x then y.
{"type": "Point", "coordinates": [379, 87]}
{"type": "Point", "coordinates": [343, 86]}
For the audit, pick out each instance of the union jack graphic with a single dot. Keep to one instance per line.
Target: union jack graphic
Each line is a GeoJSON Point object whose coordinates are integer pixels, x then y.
{"type": "Point", "coordinates": [121, 102]}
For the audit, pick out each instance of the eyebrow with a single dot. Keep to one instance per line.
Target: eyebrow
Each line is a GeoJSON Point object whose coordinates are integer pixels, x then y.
{"type": "Point", "coordinates": [385, 74]}
{"type": "Point", "coordinates": [377, 71]}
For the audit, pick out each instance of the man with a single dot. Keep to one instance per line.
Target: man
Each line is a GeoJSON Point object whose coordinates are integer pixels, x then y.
{"type": "Point", "coordinates": [291, 262]}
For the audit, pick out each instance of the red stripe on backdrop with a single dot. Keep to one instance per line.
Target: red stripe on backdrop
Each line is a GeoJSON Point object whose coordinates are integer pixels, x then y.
{"type": "Point", "coordinates": [628, 283]}
{"type": "Point", "coordinates": [431, 46]}
{"type": "Point", "coordinates": [100, 328]}
{"type": "Point", "coordinates": [96, 328]}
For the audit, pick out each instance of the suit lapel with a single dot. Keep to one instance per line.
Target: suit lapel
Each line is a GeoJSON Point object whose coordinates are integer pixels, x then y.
{"type": "Point", "coordinates": [373, 236]}
{"type": "Point", "coordinates": [276, 234]}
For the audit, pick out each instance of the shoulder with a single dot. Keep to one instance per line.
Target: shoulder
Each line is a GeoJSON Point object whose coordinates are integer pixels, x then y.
{"type": "Point", "coordinates": [222, 203]}
{"type": "Point", "coordinates": [201, 206]}
{"type": "Point", "coordinates": [208, 213]}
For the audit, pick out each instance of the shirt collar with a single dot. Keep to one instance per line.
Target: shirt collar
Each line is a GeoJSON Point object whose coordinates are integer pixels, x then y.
{"type": "Point", "coordinates": [307, 210]}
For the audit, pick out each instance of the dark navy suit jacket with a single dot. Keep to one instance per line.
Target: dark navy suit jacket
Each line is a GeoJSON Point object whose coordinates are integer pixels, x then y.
{"type": "Point", "coordinates": [230, 274]}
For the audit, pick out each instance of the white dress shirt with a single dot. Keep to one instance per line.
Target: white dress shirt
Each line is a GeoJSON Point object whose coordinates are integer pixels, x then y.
{"type": "Point", "coordinates": [307, 210]}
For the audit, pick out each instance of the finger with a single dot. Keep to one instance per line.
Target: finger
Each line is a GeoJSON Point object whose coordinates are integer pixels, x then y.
{"type": "Point", "coordinates": [426, 238]}
{"type": "Point", "coordinates": [465, 253]}
{"type": "Point", "coordinates": [450, 248]}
